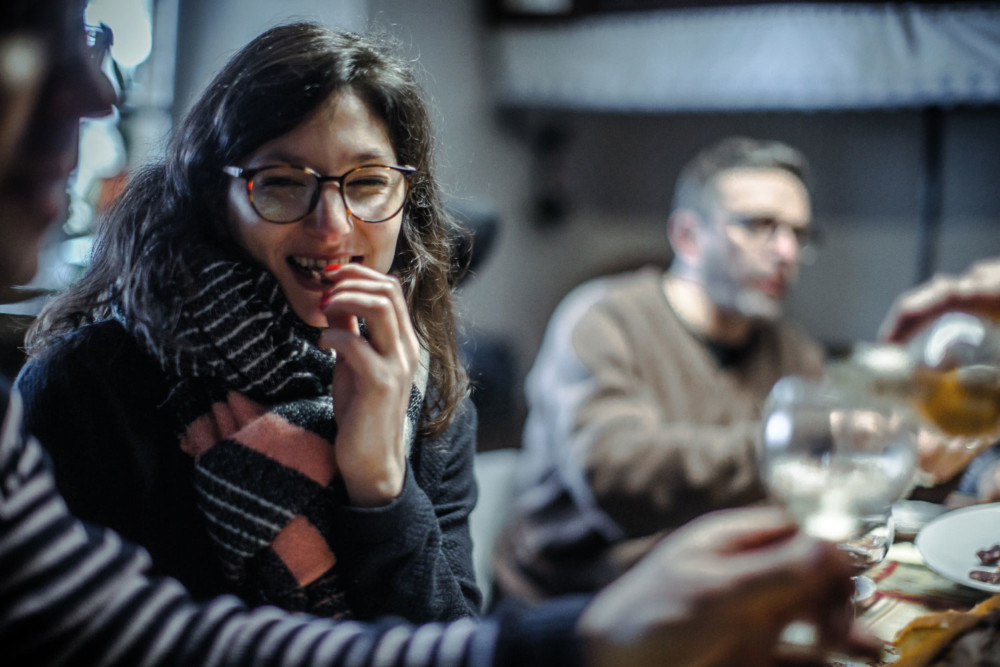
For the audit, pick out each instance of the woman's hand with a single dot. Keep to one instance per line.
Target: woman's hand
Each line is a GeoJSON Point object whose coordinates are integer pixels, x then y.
{"type": "Point", "coordinates": [372, 380]}
{"type": "Point", "coordinates": [720, 591]}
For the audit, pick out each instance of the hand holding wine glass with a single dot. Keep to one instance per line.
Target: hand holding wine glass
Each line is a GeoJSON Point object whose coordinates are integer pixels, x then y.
{"type": "Point", "coordinates": [838, 461]}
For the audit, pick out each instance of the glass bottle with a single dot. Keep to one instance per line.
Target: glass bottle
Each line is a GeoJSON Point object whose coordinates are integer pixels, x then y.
{"type": "Point", "coordinates": [949, 373]}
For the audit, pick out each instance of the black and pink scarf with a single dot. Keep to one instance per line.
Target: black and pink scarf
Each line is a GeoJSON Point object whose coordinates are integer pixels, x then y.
{"type": "Point", "coordinates": [251, 391]}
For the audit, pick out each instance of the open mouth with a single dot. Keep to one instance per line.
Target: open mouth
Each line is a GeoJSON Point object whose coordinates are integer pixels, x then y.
{"type": "Point", "coordinates": [771, 286]}
{"type": "Point", "coordinates": [311, 268]}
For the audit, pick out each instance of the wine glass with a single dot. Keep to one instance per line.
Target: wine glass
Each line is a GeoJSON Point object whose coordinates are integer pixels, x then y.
{"type": "Point", "coordinates": [838, 461]}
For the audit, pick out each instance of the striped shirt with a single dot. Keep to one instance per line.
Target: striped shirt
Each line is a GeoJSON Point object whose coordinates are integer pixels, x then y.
{"type": "Point", "coordinates": [71, 594]}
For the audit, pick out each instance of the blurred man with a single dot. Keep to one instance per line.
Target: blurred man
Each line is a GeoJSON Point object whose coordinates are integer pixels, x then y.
{"type": "Point", "coordinates": [645, 398]}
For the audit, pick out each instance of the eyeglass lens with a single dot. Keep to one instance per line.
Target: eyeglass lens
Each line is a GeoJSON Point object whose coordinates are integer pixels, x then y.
{"type": "Point", "coordinates": [99, 41]}
{"type": "Point", "coordinates": [288, 194]}
{"type": "Point", "coordinates": [765, 229]}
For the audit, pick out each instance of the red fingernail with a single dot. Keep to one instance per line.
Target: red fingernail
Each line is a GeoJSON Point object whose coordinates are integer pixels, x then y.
{"type": "Point", "coordinates": [332, 267]}
{"type": "Point", "coordinates": [325, 300]}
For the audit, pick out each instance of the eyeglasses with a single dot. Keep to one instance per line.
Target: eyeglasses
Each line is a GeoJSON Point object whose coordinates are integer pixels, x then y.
{"type": "Point", "coordinates": [763, 229]}
{"type": "Point", "coordinates": [285, 193]}
{"type": "Point", "coordinates": [99, 41]}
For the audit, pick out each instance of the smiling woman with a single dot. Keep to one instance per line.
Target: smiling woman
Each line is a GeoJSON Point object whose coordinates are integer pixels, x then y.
{"type": "Point", "coordinates": [268, 319]}
{"type": "Point", "coordinates": [293, 223]}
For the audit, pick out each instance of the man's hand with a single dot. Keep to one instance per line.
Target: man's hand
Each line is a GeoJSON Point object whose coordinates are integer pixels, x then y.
{"type": "Point", "coordinates": [976, 290]}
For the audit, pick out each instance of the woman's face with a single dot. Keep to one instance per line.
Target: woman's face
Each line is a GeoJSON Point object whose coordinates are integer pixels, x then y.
{"type": "Point", "coordinates": [342, 135]}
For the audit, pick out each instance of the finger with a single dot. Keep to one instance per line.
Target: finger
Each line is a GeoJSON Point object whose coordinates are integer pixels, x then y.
{"type": "Point", "coordinates": [735, 530]}
{"type": "Point", "coordinates": [762, 537]}
{"type": "Point", "coordinates": [378, 381]}
{"type": "Point", "coordinates": [385, 331]}
{"type": "Point", "coordinates": [346, 322]}
{"type": "Point", "coordinates": [353, 351]}
{"type": "Point", "coordinates": [767, 585]}
{"type": "Point", "coordinates": [792, 575]}
{"type": "Point", "coordinates": [906, 324]}
{"type": "Point", "coordinates": [915, 308]}
{"type": "Point", "coordinates": [359, 279]}
{"type": "Point", "coordinates": [976, 290]}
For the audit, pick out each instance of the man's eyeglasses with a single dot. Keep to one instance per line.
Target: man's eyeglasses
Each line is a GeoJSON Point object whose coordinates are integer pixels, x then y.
{"type": "Point", "coordinates": [286, 193]}
{"type": "Point", "coordinates": [763, 229]}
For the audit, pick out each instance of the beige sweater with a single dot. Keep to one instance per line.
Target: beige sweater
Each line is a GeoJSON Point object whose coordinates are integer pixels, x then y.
{"type": "Point", "coordinates": [634, 428]}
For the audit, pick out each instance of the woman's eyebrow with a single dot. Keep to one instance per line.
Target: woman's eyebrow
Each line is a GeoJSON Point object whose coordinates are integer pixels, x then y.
{"type": "Point", "coordinates": [364, 157]}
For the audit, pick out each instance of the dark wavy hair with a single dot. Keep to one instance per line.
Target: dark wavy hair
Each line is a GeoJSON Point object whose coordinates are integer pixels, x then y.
{"type": "Point", "coordinates": [172, 208]}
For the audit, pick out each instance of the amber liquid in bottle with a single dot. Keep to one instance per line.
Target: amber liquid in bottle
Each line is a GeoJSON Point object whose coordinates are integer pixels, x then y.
{"type": "Point", "coordinates": [949, 373]}
{"type": "Point", "coordinates": [961, 402]}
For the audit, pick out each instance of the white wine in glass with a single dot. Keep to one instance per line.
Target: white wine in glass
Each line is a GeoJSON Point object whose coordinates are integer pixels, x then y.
{"type": "Point", "coordinates": [837, 462]}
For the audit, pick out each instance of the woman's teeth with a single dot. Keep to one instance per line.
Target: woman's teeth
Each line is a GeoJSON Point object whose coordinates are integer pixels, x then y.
{"type": "Point", "coordinates": [314, 267]}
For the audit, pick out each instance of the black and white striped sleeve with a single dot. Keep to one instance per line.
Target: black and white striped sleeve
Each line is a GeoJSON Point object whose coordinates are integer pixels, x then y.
{"type": "Point", "coordinates": [73, 595]}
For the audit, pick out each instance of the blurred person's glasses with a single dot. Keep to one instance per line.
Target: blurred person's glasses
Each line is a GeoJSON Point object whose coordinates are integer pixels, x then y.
{"type": "Point", "coordinates": [99, 41]}
{"type": "Point", "coordinates": [285, 193]}
{"type": "Point", "coordinates": [763, 230]}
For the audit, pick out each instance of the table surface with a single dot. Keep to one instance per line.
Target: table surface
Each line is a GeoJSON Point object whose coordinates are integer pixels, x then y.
{"type": "Point", "coordinates": [907, 589]}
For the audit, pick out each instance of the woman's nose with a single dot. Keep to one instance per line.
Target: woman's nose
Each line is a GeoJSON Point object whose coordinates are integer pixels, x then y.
{"type": "Point", "coordinates": [331, 215]}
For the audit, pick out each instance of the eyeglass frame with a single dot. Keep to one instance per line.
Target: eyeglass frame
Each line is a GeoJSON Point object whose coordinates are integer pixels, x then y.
{"type": "Point", "coordinates": [762, 229]}
{"type": "Point", "coordinates": [248, 175]}
{"type": "Point", "coordinates": [100, 39]}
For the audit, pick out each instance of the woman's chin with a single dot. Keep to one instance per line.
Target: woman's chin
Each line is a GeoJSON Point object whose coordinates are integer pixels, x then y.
{"type": "Point", "coordinates": [309, 312]}
{"type": "Point", "coordinates": [304, 296]}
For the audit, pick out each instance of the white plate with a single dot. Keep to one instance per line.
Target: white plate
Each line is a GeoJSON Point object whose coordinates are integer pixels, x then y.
{"type": "Point", "coordinates": [949, 543]}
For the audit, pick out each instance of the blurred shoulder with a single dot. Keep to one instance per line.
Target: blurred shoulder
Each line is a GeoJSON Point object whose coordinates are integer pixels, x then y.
{"type": "Point", "coordinates": [621, 291]}
{"type": "Point", "coordinates": [107, 334]}
{"type": "Point", "coordinates": [106, 347]}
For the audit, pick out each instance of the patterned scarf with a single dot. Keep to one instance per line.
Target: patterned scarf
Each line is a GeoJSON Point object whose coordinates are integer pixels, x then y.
{"type": "Point", "coordinates": [251, 391]}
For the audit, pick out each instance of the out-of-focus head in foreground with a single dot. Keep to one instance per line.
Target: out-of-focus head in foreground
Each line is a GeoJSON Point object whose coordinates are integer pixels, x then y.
{"type": "Point", "coordinates": [50, 78]}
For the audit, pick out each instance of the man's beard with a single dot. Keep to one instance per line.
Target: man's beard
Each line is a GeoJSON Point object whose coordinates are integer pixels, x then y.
{"type": "Point", "coordinates": [748, 302]}
{"type": "Point", "coordinates": [758, 306]}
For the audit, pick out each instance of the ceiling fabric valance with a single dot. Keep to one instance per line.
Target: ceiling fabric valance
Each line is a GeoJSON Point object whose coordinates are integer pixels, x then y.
{"type": "Point", "coordinates": [755, 57]}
